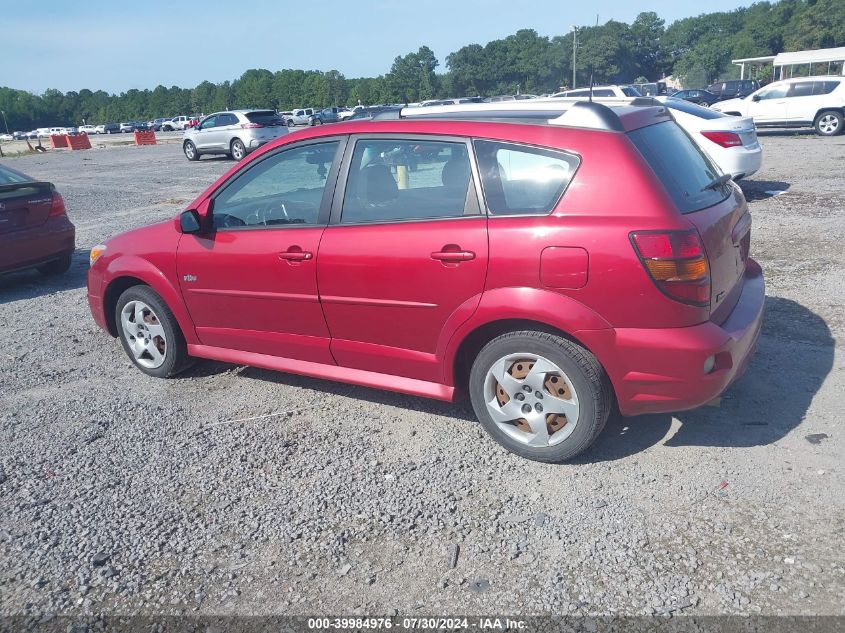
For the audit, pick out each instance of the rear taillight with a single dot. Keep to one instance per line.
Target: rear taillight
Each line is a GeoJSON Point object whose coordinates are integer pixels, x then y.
{"type": "Point", "coordinates": [724, 139]}
{"type": "Point", "coordinates": [677, 263]}
{"type": "Point", "coordinates": [250, 126]}
{"type": "Point", "coordinates": [57, 207]}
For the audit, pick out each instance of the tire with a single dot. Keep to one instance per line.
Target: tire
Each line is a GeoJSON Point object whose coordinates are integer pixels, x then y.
{"type": "Point", "coordinates": [57, 266]}
{"type": "Point", "coordinates": [191, 152]}
{"type": "Point", "coordinates": [291, 123]}
{"type": "Point", "coordinates": [568, 369]}
{"type": "Point", "coordinates": [159, 330]}
{"type": "Point", "coordinates": [237, 149]}
{"type": "Point", "coordinates": [829, 123]}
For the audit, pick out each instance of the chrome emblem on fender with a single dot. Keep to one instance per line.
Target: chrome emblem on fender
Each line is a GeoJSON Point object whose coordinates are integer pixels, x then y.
{"type": "Point", "coordinates": [189, 278]}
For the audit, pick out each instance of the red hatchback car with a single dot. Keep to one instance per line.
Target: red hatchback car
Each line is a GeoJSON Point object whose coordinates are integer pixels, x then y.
{"type": "Point", "coordinates": [35, 231]}
{"type": "Point", "coordinates": [551, 263]}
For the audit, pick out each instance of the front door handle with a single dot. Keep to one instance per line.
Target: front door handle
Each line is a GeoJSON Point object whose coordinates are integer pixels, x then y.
{"type": "Point", "coordinates": [295, 254]}
{"type": "Point", "coordinates": [453, 256]}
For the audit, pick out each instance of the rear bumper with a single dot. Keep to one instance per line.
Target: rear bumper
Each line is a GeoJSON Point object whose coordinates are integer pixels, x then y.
{"type": "Point", "coordinates": [742, 162]}
{"type": "Point", "coordinates": [662, 370]}
{"type": "Point", "coordinates": [31, 247]}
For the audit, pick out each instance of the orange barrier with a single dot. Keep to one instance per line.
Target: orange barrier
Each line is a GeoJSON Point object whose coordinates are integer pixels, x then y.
{"type": "Point", "coordinates": [145, 138]}
{"type": "Point", "coordinates": [58, 140]}
{"type": "Point", "coordinates": [79, 142]}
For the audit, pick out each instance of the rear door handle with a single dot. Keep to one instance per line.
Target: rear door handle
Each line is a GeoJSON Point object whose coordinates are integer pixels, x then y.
{"type": "Point", "coordinates": [453, 256]}
{"type": "Point", "coordinates": [295, 255]}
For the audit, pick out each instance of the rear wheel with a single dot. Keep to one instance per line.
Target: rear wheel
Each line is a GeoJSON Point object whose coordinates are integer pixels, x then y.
{"type": "Point", "coordinates": [57, 266]}
{"type": "Point", "coordinates": [238, 149]}
{"type": "Point", "coordinates": [190, 150]}
{"type": "Point", "coordinates": [829, 123]}
{"type": "Point", "coordinates": [539, 395]}
{"type": "Point", "coordinates": [149, 333]}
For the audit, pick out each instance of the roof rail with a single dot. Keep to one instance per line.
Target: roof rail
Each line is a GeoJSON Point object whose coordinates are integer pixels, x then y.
{"type": "Point", "coordinates": [598, 114]}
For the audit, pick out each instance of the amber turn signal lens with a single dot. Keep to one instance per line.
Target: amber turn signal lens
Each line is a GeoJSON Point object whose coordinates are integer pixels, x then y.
{"type": "Point", "coordinates": [677, 270]}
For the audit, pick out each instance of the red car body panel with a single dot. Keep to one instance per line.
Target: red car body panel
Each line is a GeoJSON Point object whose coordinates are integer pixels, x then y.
{"type": "Point", "coordinates": [31, 232]}
{"type": "Point", "coordinates": [370, 306]}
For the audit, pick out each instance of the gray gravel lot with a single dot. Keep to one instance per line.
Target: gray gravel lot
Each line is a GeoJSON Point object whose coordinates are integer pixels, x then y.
{"type": "Point", "coordinates": [233, 490]}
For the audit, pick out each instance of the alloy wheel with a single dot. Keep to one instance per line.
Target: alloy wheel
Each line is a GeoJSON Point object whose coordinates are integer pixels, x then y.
{"type": "Point", "coordinates": [531, 399]}
{"type": "Point", "coordinates": [144, 334]}
{"type": "Point", "coordinates": [828, 124]}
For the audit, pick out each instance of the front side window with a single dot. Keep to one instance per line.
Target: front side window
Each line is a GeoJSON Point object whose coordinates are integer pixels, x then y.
{"type": "Point", "coordinates": [522, 180]}
{"type": "Point", "coordinates": [283, 189]}
{"type": "Point", "coordinates": [393, 180]}
{"type": "Point", "coordinates": [774, 92]}
{"type": "Point", "coordinates": [209, 123]}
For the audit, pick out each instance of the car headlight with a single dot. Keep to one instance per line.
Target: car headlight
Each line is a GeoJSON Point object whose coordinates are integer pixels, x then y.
{"type": "Point", "coordinates": [98, 250]}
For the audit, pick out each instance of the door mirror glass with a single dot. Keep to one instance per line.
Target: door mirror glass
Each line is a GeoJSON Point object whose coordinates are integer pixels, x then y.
{"type": "Point", "coordinates": [189, 222]}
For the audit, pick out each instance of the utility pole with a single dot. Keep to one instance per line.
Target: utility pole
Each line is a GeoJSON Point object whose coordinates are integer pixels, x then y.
{"type": "Point", "coordinates": [6, 123]}
{"type": "Point", "coordinates": [574, 30]}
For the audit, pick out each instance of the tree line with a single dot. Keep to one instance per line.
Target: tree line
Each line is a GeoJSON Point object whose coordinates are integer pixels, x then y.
{"type": "Point", "coordinates": [697, 50]}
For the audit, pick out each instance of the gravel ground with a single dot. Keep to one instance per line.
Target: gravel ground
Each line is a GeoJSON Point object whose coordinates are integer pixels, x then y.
{"type": "Point", "coordinates": [233, 490]}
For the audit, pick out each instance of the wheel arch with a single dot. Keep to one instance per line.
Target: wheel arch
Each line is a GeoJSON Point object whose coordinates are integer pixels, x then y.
{"type": "Point", "coordinates": [137, 271]}
{"type": "Point", "coordinates": [512, 309]}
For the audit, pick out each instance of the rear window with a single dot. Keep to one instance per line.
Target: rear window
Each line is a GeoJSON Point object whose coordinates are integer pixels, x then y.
{"type": "Point", "coordinates": [692, 108]}
{"type": "Point", "coordinates": [8, 177]}
{"type": "Point", "coordinates": [265, 117]}
{"type": "Point", "coordinates": [631, 92]}
{"type": "Point", "coordinates": [681, 166]}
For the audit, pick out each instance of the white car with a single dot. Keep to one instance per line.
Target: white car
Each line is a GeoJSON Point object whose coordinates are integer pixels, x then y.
{"type": "Point", "coordinates": [301, 117]}
{"type": "Point", "coordinates": [600, 92]}
{"type": "Point", "coordinates": [817, 102]}
{"type": "Point", "coordinates": [730, 141]}
{"type": "Point", "coordinates": [176, 123]}
{"type": "Point", "coordinates": [87, 129]}
{"type": "Point", "coordinates": [6, 137]}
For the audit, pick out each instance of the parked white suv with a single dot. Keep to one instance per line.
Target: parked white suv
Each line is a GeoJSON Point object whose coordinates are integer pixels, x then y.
{"type": "Point", "coordinates": [817, 102]}
{"type": "Point", "coordinates": [620, 92]}
{"type": "Point", "coordinates": [176, 123]}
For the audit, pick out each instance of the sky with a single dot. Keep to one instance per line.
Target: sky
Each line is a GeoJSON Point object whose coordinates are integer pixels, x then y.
{"type": "Point", "coordinates": [114, 46]}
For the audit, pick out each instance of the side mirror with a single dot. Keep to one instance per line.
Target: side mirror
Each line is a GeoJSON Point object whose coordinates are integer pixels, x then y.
{"type": "Point", "coordinates": [189, 222]}
{"type": "Point", "coordinates": [755, 98]}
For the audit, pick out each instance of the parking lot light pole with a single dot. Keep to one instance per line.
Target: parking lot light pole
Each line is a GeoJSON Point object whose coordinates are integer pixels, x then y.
{"type": "Point", "coordinates": [574, 30]}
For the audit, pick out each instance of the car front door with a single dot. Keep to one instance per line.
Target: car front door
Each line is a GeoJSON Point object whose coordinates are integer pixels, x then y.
{"type": "Point", "coordinates": [405, 256]}
{"type": "Point", "coordinates": [225, 130]}
{"type": "Point", "coordinates": [249, 278]}
{"type": "Point", "coordinates": [206, 132]}
{"type": "Point", "coordinates": [769, 105]}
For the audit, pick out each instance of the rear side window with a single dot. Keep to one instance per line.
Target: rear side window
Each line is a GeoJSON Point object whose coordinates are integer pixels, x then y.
{"type": "Point", "coordinates": [685, 171]}
{"type": "Point", "coordinates": [394, 180]}
{"type": "Point", "coordinates": [802, 89]}
{"type": "Point", "coordinates": [628, 91]}
{"type": "Point", "coordinates": [824, 87]}
{"type": "Point", "coordinates": [523, 180]}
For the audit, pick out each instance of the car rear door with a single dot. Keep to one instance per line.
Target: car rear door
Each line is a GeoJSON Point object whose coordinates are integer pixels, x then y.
{"type": "Point", "coordinates": [405, 256]}
{"type": "Point", "coordinates": [249, 278]}
{"type": "Point", "coordinates": [803, 104]}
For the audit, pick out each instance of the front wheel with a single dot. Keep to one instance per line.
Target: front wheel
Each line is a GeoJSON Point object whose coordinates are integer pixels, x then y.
{"type": "Point", "coordinates": [149, 333]}
{"type": "Point", "coordinates": [829, 123]}
{"type": "Point", "coordinates": [238, 149]}
{"type": "Point", "coordinates": [190, 150]}
{"type": "Point", "coordinates": [539, 395]}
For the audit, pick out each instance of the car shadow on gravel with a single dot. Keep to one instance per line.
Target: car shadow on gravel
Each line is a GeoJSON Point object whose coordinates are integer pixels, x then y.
{"type": "Point", "coordinates": [794, 356]}
{"type": "Point", "coordinates": [28, 284]}
{"type": "Point", "coordinates": [755, 190]}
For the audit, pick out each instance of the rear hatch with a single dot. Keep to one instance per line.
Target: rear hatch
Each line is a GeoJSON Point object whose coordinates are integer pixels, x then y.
{"type": "Point", "coordinates": [709, 120]}
{"type": "Point", "coordinates": [24, 203]}
{"type": "Point", "coordinates": [708, 200]}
